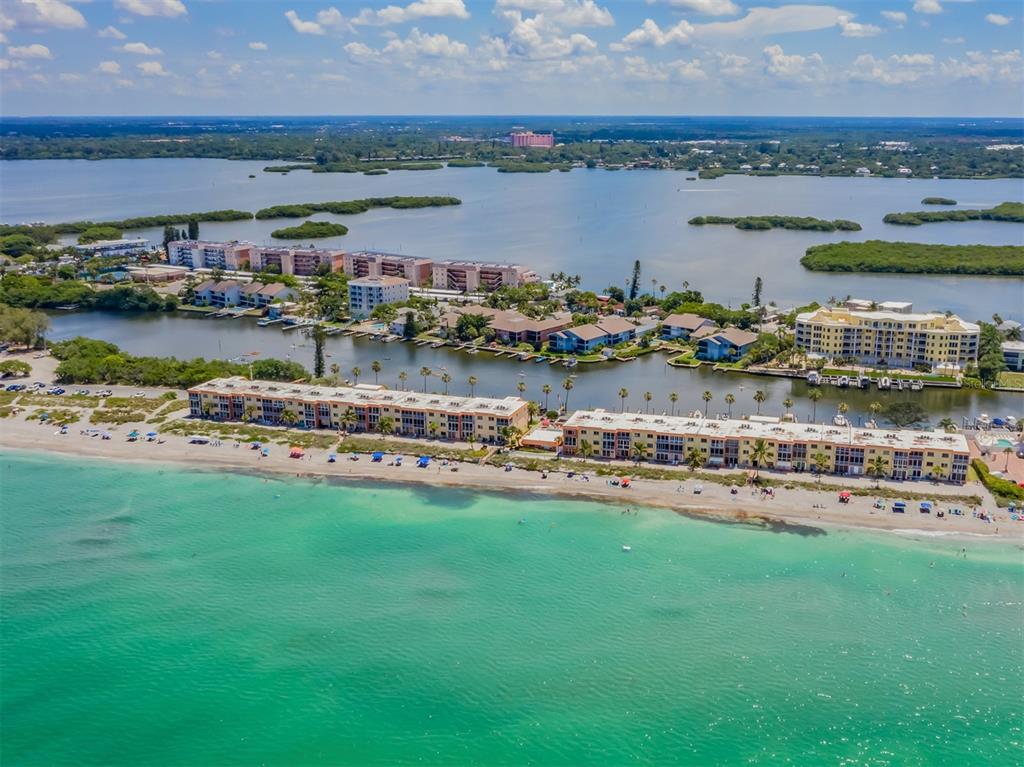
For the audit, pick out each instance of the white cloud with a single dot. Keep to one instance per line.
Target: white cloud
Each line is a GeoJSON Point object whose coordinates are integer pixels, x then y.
{"type": "Point", "coordinates": [124, 83]}
{"type": "Point", "coordinates": [332, 77]}
{"type": "Point", "coordinates": [898, 69]}
{"type": "Point", "coordinates": [540, 37]}
{"type": "Point", "coordinates": [998, 19]}
{"type": "Point", "coordinates": [953, 40]}
{"type": "Point", "coordinates": [421, 9]}
{"type": "Point", "coordinates": [572, 13]}
{"type": "Point", "coordinates": [165, 8]}
{"type": "Point", "coordinates": [433, 46]}
{"type": "Point", "coordinates": [707, 7]}
{"type": "Point", "coordinates": [5, 64]}
{"type": "Point", "coordinates": [40, 14]}
{"type": "Point", "coordinates": [112, 33]}
{"type": "Point", "coordinates": [852, 28]}
{"type": "Point", "coordinates": [732, 64]}
{"type": "Point", "coordinates": [235, 69]}
{"type": "Point", "coordinates": [109, 68]}
{"type": "Point", "coordinates": [760, 22]}
{"type": "Point", "coordinates": [33, 51]}
{"type": "Point", "coordinates": [650, 34]}
{"type": "Point", "coordinates": [152, 69]}
{"type": "Point", "coordinates": [927, 6]}
{"type": "Point", "coordinates": [328, 18]}
{"type": "Point", "coordinates": [257, 46]}
{"type": "Point", "coordinates": [896, 17]}
{"type": "Point", "coordinates": [214, 55]}
{"type": "Point", "coordinates": [70, 77]}
{"type": "Point", "coordinates": [795, 68]}
{"type": "Point", "coordinates": [360, 52]}
{"type": "Point", "coordinates": [141, 49]}
{"type": "Point", "coordinates": [995, 65]}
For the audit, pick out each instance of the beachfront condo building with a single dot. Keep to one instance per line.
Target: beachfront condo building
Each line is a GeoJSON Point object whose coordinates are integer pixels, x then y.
{"type": "Point", "coordinates": [473, 276]}
{"type": "Point", "coordinates": [195, 254]}
{"type": "Point", "coordinates": [530, 140]}
{"type": "Point", "coordinates": [365, 263]}
{"type": "Point", "coordinates": [360, 408]}
{"type": "Point", "coordinates": [135, 246]}
{"type": "Point", "coordinates": [730, 443]}
{"type": "Point", "coordinates": [301, 262]}
{"type": "Point", "coordinates": [891, 338]}
{"type": "Point", "coordinates": [367, 293]}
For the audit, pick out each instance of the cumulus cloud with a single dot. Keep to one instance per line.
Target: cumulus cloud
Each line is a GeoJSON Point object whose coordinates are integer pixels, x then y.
{"type": "Point", "coordinates": [896, 17]}
{"type": "Point", "coordinates": [214, 55]}
{"type": "Point", "coordinates": [40, 14]}
{"type": "Point", "coordinates": [795, 67]}
{"type": "Point", "coordinates": [732, 64]}
{"type": "Point", "coordinates": [152, 69]}
{"type": "Point", "coordinates": [165, 8]}
{"type": "Point", "coordinates": [235, 69]}
{"type": "Point", "coordinates": [360, 52]}
{"type": "Point", "coordinates": [927, 6]}
{"type": "Point", "coordinates": [760, 22]}
{"type": "Point", "coordinates": [852, 28]}
{"type": "Point", "coordinates": [70, 77]}
{"type": "Point", "coordinates": [707, 7]}
{"type": "Point", "coordinates": [111, 33]}
{"type": "Point", "coordinates": [649, 34]}
{"type": "Point", "coordinates": [433, 46]}
{"type": "Point", "coordinates": [897, 69]}
{"type": "Point", "coordinates": [572, 13]}
{"type": "Point", "coordinates": [327, 19]}
{"type": "Point", "coordinates": [109, 68]}
{"type": "Point", "coordinates": [257, 46]}
{"type": "Point", "coordinates": [540, 37]}
{"type": "Point", "coordinates": [976, 65]}
{"type": "Point", "coordinates": [639, 69]}
{"type": "Point", "coordinates": [141, 49]}
{"type": "Point", "coordinates": [998, 19]}
{"type": "Point", "coordinates": [954, 40]}
{"type": "Point", "coordinates": [303, 27]}
{"type": "Point", "coordinates": [421, 9]}
{"type": "Point", "coordinates": [33, 51]}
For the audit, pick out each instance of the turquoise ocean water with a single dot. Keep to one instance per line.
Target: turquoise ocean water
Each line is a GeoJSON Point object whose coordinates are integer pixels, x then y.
{"type": "Point", "coordinates": [161, 617]}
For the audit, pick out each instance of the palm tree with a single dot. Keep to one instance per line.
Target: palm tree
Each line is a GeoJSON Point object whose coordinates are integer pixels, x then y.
{"type": "Point", "coordinates": [472, 386]}
{"type": "Point", "coordinates": [814, 395]}
{"type": "Point", "coordinates": [730, 398]}
{"type": "Point", "coordinates": [567, 384]}
{"type": "Point", "coordinates": [403, 377]}
{"type": "Point", "coordinates": [706, 396]}
{"type": "Point", "coordinates": [760, 453]}
{"type": "Point", "coordinates": [876, 468]}
{"type": "Point", "coordinates": [471, 440]}
{"type": "Point", "coordinates": [820, 464]}
{"type": "Point", "coordinates": [788, 404]}
{"type": "Point", "coordinates": [639, 452]}
{"type": "Point", "coordinates": [375, 367]}
{"type": "Point", "coordinates": [250, 413]}
{"type": "Point", "coordinates": [385, 425]}
{"type": "Point", "coordinates": [673, 398]}
{"type": "Point", "coordinates": [875, 408]}
{"type": "Point", "coordinates": [1007, 451]}
{"type": "Point", "coordinates": [521, 387]}
{"type": "Point", "coordinates": [432, 428]}
{"type": "Point", "coordinates": [647, 401]}
{"type": "Point", "coordinates": [349, 419]}
{"type": "Point", "coordinates": [335, 371]}
{"type": "Point", "coordinates": [947, 424]}
{"type": "Point", "coordinates": [623, 393]}
{"type": "Point", "coordinates": [533, 408]}
{"type": "Point", "coordinates": [512, 435]}
{"type": "Point", "coordinates": [289, 417]}
{"type": "Point", "coordinates": [446, 379]}
{"type": "Point", "coordinates": [546, 388]}
{"type": "Point", "coordinates": [759, 397]}
{"type": "Point", "coordinates": [694, 458]}
{"type": "Point", "coordinates": [586, 448]}
{"type": "Point", "coordinates": [356, 372]}
{"type": "Point", "coordinates": [425, 373]}
{"type": "Point", "coordinates": [843, 409]}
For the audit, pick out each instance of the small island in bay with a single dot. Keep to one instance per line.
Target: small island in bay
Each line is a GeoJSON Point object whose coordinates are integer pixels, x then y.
{"type": "Point", "coordinates": [310, 230]}
{"type": "Point", "coordinates": [1007, 211]}
{"type": "Point", "coordinates": [760, 223]}
{"type": "Point", "coordinates": [351, 207]}
{"type": "Point", "coordinates": [915, 258]}
{"type": "Point", "coordinates": [938, 201]}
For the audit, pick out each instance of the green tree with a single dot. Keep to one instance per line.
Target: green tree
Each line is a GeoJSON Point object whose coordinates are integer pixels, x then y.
{"type": "Point", "coordinates": [905, 414]}
{"type": "Point", "coordinates": [193, 229]}
{"type": "Point", "coordinates": [639, 450]}
{"type": "Point", "coordinates": [947, 424]}
{"type": "Point", "coordinates": [706, 396]}
{"type": "Point", "coordinates": [673, 398]}
{"type": "Point", "coordinates": [820, 464]}
{"type": "Point", "coordinates": [546, 388]}
{"type": "Point", "coordinates": [425, 373]}
{"type": "Point", "coordinates": [375, 366]}
{"type": "Point", "coordinates": [760, 454]}
{"type": "Point", "coordinates": [586, 448]}
{"type": "Point", "coordinates": [623, 393]}
{"type": "Point", "coordinates": [349, 419]}
{"type": "Point", "coordinates": [814, 395]}
{"type": "Point", "coordinates": [694, 458]}
{"type": "Point", "coordinates": [521, 387]}
{"type": "Point", "coordinates": [788, 404]}
{"type": "Point", "coordinates": [385, 425]}
{"type": "Point", "coordinates": [446, 379]}
{"type": "Point", "coordinates": [634, 283]}
{"type": "Point", "coordinates": [758, 287]}
{"type": "Point", "coordinates": [877, 467]}
{"type": "Point", "coordinates": [647, 401]}
{"type": "Point", "coordinates": [730, 399]}
{"type": "Point", "coordinates": [759, 398]}
{"type": "Point", "coordinates": [472, 385]}
{"type": "Point", "coordinates": [356, 372]}
{"type": "Point", "coordinates": [319, 336]}
{"type": "Point", "coordinates": [402, 378]}
{"type": "Point", "coordinates": [567, 384]}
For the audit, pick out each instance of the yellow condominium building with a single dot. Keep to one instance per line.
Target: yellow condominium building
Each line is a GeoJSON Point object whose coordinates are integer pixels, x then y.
{"type": "Point", "coordinates": [889, 338]}
{"type": "Point", "coordinates": [324, 407]}
{"type": "Point", "coordinates": [791, 446]}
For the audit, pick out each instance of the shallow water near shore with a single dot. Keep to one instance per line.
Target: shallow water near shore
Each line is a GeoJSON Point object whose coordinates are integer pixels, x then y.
{"type": "Point", "coordinates": [160, 616]}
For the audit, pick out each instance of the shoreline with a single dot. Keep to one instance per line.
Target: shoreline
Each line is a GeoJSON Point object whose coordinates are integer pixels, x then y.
{"type": "Point", "coordinates": [793, 511]}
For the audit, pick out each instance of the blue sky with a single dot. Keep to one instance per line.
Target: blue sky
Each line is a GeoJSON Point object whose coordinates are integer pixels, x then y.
{"type": "Point", "coordinates": [890, 57]}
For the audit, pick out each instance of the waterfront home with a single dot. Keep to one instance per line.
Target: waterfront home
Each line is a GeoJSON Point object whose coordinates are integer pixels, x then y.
{"type": "Point", "coordinates": [366, 263]}
{"type": "Point", "coordinates": [397, 326]}
{"type": "Point", "coordinates": [367, 293]}
{"type": "Point", "coordinates": [106, 248]}
{"type": "Point", "coordinates": [195, 254]}
{"type": "Point", "coordinates": [891, 337]}
{"type": "Point", "coordinates": [275, 291]}
{"type": "Point", "coordinates": [303, 262]}
{"type": "Point", "coordinates": [908, 455]}
{"type": "Point", "coordinates": [725, 345]}
{"type": "Point", "coordinates": [511, 327]}
{"type": "Point", "coordinates": [1013, 355]}
{"type": "Point", "coordinates": [583, 339]}
{"type": "Point", "coordinates": [359, 408]}
{"type": "Point", "coordinates": [222, 293]}
{"type": "Point", "coordinates": [681, 326]}
{"type": "Point", "coordinates": [472, 276]}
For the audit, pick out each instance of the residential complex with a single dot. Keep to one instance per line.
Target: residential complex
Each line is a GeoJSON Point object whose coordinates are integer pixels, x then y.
{"type": "Point", "coordinates": [471, 276]}
{"type": "Point", "coordinates": [255, 295]}
{"type": "Point", "coordinates": [210, 255]}
{"type": "Point", "coordinates": [682, 326]}
{"type": "Point", "coordinates": [301, 262]}
{"type": "Point", "coordinates": [509, 326]}
{"type": "Point", "coordinates": [367, 293]}
{"type": "Point", "coordinates": [530, 140]}
{"type": "Point", "coordinates": [130, 247]}
{"type": "Point", "coordinates": [583, 339]}
{"type": "Point", "coordinates": [892, 338]}
{"type": "Point", "coordinates": [1013, 355]}
{"type": "Point", "coordinates": [364, 263]}
{"type": "Point", "coordinates": [792, 446]}
{"type": "Point", "coordinates": [725, 345]}
{"type": "Point", "coordinates": [411, 414]}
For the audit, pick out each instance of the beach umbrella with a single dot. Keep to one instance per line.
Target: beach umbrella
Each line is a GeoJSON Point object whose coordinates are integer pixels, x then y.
{"type": "Point", "coordinates": [151, 434]}
{"type": "Point", "coordinates": [378, 456]}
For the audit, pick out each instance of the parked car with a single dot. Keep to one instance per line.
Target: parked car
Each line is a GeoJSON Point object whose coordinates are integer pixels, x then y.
{"type": "Point", "coordinates": [139, 395]}
{"type": "Point", "coordinates": [38, 385]}
{"type": "Point", "coordinates": [82, 392]}
{"type": "Point", "coordinates": [56, 390]}
{"type": "Point", "coordinates": [17, 387]}
{"type": "Point", "coordinates": [105, 393]}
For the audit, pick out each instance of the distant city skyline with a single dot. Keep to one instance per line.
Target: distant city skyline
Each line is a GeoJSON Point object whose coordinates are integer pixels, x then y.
{"type": "Point", "coordinates": [557, 57]}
